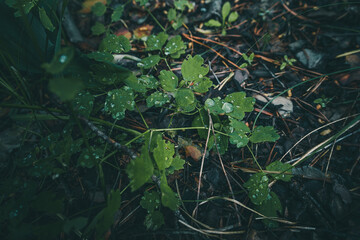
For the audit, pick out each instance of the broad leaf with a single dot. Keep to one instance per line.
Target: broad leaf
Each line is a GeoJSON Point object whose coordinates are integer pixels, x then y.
{"type": "Point", "coordinates": [89, 157]}
{"type": "Point", "coordinates": [45, 20]}
{"type": "Point", "coordinates": [171, 14]}
{"type": "Point", "coordinates": [118, 100]}
{"type": "Point", "coordinates": [60, 61]}
{"type": "Point", "coordinates": [233, 17]}
{"type": "Point", "coordinates": [185, 100]}
{"type": "Point", "coordinates": [203, 85]}
{"type": "Point", "coordinates": [270, 208]}
{"type": "Point", "coordinates": [149, 62]}
{"type": "Point", "coordinates": [83, 103]}
{"type": "Point", "coordinates": [98, 9]}
{"type": "Point", "coordinates": [117, 13]}
{"type": "Point", "coordinates": [65, 88]}
{"type": "Point", "coordinates": [213, 23]}
{"type": "Point", "coordinates": [258, 188]}
{"type": "Point", "coordinates": [98, 28]}
{"type": "Point", "coordinates": [181, 4]}
{"type": "Point", "coordinates": [193, 70]}
{"type": "Point", "coordinates": [175, 47]}
{"type": "Point", "coordinates": [163, 153]}
{"type": "Point", "coordinates": [241, 104]}
{"type": "Point", "coordinates": [157, 99]}
{"type": "Point", "coordinates": [168, 197]}
{"type": "Point", "coordinates": [225, 10]}
{"type": "Point", "coordinates": [101, 56]}
{"type": "Point", "coordinates": [115, 44]}
{"type": "Point", "coordinates": [214, 105]}
{"type": "Point", "coordinates": [156, 42]}
{"type": "Point", "coordinates": [282, 168]}
{"type": "Point", "coordinates": [264, 134]}
{"type": "Point", "coordinates": [150, 201]}
{"type": "Point", "coordinates": [168, 80]}
{"type": "Point", "coordinates": [154, 220]}
{"type": "Point", "coordinates": [177, 164]}
{"type": "Point", "coordinates": [222, 143]}
{"type": "Point", "coordinates": [140, 169]}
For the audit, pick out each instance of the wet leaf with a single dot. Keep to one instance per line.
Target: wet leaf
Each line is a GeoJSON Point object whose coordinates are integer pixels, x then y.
{"type": "Point", "coordinates": [118, 100]}
{"type": "Point", "coordinates": [239, 139]}
{"type": "Point", "coordinates": [163, 153]}
{"type": "Point", "coordinates": [148, 81]}
{"type": "Point", "coordinates": [168, 80]}
{"type": "Point", "coordinates": [98, 9]}
{"type": "Point", "coordinates": [264, 134]}
{"type": "Point", "coordinates": [101, 56]}
{"type": "Point", "coordinates": [115, 44]}
{"type": "Point", "coordinates": [157, 99]}
{"type": "Point", "coordinates": [45, 20]}
{"type": "Point", "coordinates": [175, 47]}
{"type": "Point", "coordinates": [117, 13]}
{"type": "Point", "coordinates": [150, 201]}
{"type": "Point", "coordinates": [193, 70]}
{"type": "Point", "coordinates": [154, 220]}
{"type": "Point", "coordinates": [270, 208]}
{"type": "Point", "coordinates": [65, 88]}
{"type": "Point", "coordinates": [98, 29]}
{"type": "Point", "coordinates": [140, 170]}
{"type": "Point", "coordinates": [203, 85]}
{"type": "Point", "coordinates": [280, 167]}
{"type": "Point", "coordinates": [185, 100]}
{"type": "Point", "coordinates": [241, 104]}
{"type": "Point", "coordinates": [156, 42]}
{"type": "Point", "coordinates": [90, 157]}
{"type": "Point", "coordinates": [149, 62]}
{"type": "Point", "coordinates": [258, 188]}
{"type": "Point", "coordinates": [214, 105]}
{"type": "Point", "coordinates": [222, 143]}
{"type": "Point", "coordinates": [60, 61]}
{"type": "Point", "coordinates": [83, 103]}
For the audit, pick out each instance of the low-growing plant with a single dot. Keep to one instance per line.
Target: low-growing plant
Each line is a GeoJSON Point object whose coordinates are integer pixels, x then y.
{"type": "Point", "coordinates": [175, 15]}
{"type": "Point", "coordinates": [287, 62]}
{"type": "Point", "coordinates": [227, 18]}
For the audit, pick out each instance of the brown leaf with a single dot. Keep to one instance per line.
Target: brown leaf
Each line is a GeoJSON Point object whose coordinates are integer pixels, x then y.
{"type": "Point", "coordinates": [193, 152]}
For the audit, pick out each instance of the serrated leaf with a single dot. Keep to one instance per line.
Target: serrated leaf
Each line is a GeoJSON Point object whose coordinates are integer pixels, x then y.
{"type": "Point", "coordinates": [150, 201]}
{"type": "Point", "coordinates": [117, 13]}
{"type": "Point", "coordinates": [177, 163]}
{"type": "Point", "coordinates": [157, 99]}
{"type": "Point", "coordinates": [241, 104]}
{"type": "Point", "coordinates": [140, 170]}
{"type": "Point", "coordinates": [65, 88]}
{"type": "Point", "coordinates": [233, 17]}
{"type": "Point", "coordinates": [142, 2]}
{"type": "Point", "coordinates": [181, 4]}
{"type": "Point", "coordinates": [135, 84]}
{"type": "Point", "coordinates": [177, 23]}
{"type": "Point", "coordinates": [83, 103]}
{"type": "Point", "coordinates": [238, 126]}
{"type": "Point", "coordinates": [175, 47]}
{"type": "Point", "coordinates": [185, 100]}
{"type": "Point", "coordinates": [171, 14]}
{"type": "Point", "coordinates": [214, 105]}
{"type": "Point", "coordinates": [148, 81]}
{"type": "Point", "coordinates": [115, 44]}
{"type": "Point", "coordinates": [87, 4]}
{"type": "Point", "coordinates": [193, 70]}
{"type": "Point", "coordinates": [156, 42]}
{"type": "Point", "coordinates": [45, 20]}
{"type": "Point", "coordinates": [258, 188]}
{"type": "Point", "coordinates": [213, 23]}
{"type": "Point", "coordinates": [89, 157]}
{"type": "Point", "coordinates": [60, 61]}
{"type": "Point", "coordinates": [264, 134]}
{"type": "Point", "coordinates": [101, 56]}
{"type": "Point", "coordinates": [225, 10]}
{"type": "Point", "coordinates": [270, 208]}
{"type": "Point", "coordinates": [282, 168]}
{"type": "Point", "coordinates": [168, 197]}
{"type": "Point", "coordinates": [168, 80]}
{"type": "Point", "coordinates": [239, 139]}
{"type": "Point", "coordinates": [222, 143]}
{"type": "Point", "coordinates": [154, 220]}
{"type": "Point", "coordinates": [163, 153]}
{"type": "Point", "coordinates": [118, 100]}
{"type": "Point", "coordinates": [203, 85]}
{"type": "Point", "coordinates": [98, 28]}
{"type": "Point", "coordinates": [149, 62]}
{"type": "Point", "coordinates": [98, 9]}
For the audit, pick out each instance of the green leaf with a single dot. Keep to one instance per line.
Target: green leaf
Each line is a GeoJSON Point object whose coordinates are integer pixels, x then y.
{"type": "Point", "coordinates": [154, 220]}
{"type": "Point", "coordinates": [185, 100]}
{"type": "Point", "coordinates": [150, 201]}
{"type": "Point", "coordinates": [203, 85]}
{"type": "Point", "coordinates": [213, 23]}
{"type": "Point", "coordinates": [270, 208]}
{"type": "Point", "coordinates": [89, 157]}
{"type": "Point", "coordinates": [109, 74]}
{"type": "Point", "coordinates": [238, 126]}
{"type": "Point", "coordinates": [149, 62]}
{"type": "Point", "coordinates": [60, 61]}
{"type": "Point", "coordinates": [283, 65]}
{"type": "Point", "coordinates": [45, 20]}
{"type": "Point", "coordinates": [75, 223]}
{"type": "Point", "coordinates": [222, 143]}
{"type": "Point", "coordinates": [168, 197]}
{"type": "Point", "coordinates": [98, 28]}
{"type": "Point", "coordinates": [115, 44]}
{"type": "Point", "coordinates": [83, 103]}
{"type": "Point", "coordinates": [157, 99]}
{"type": "Point", "coordinates": [171, 14]}
{"type": "Point", "coordinates": [118, 100]}
{"type": "Point", "coordinates": [177, 23]}
{"type": "Point", "coordinates": [117, 13]}
{"type": "Point", "coordinates": [65, 88]}
{"type": "Point", "coordinates": [264, 134]}
{"type": "Point", "coordinates": [142, 2]}
{"type": "Point", "coordinates": [181, 4]}
{"type": "Point", "coordinates": [282, 168]}
{"type": "Point", "coordinates": [241, 104]}
{"type": "Point", "coordinates": [233, 17]}
{"type": "Point", "coordinates": [135, 84]}
{"type": "Point", "coordinates": [193, 70]}
{"type": "Point", "coordinates": [140, 170]}
{"type": "Point", "coordinates": [258, 188]}
{"type": "Point", "coordinates": [147, 81]}
{"type": "Point", "coordinates": [156, 42]}
{"type": "Point", "coordinates": [225, 10]}
{"type": "Point", "coordinates": [175, 47]}
{"type": "Point", "coordinates": [238, 133]}
{"type": "Point", "coordinates": [214, 105]}
{"type": "Point", "coordinates": [163, 153]}
{"type": "Point", "coordinates": [201, 120]}
{"type": "Point", "coordinates": [177, 164]}
{"type": "Point", "coordinates": [101, 56]}
{"type": "Point", "coordinates": [98, 9]}
{"type": "Point", "coordinates": [168, 80]}
{"type": "Point", "coordinates": [48, 202]}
